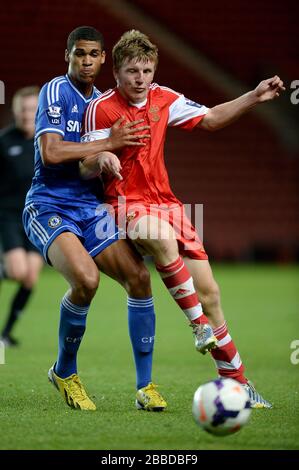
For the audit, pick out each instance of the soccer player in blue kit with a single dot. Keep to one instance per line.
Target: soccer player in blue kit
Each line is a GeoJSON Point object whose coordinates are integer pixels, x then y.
{"type": "Point", "coordinates": [65, 219]}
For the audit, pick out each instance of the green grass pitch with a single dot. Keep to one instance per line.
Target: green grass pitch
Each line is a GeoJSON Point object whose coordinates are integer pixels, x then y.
{"type": "Point", "coordinates": [261, 307]}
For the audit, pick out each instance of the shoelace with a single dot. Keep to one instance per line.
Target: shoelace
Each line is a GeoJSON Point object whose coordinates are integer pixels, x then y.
{"type": "Point", "coordinates": [76, 389]}
{"type": "Point", "coordinates": [152, 388]}
{"type": "Point", "coordinates": [198, 330]}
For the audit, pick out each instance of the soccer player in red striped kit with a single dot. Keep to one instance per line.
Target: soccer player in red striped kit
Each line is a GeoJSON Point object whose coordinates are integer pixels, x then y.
{"type": "Point", "coordinates": [154, 216]}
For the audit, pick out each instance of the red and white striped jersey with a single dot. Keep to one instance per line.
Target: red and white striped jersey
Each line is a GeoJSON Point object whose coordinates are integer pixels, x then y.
{"type": "Point", "coordinates": [144, 174]}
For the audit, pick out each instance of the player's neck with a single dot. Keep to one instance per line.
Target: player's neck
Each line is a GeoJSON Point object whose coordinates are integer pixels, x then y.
{"type": "Point", "coordinates": [85, 88]}
{"type": "Point", "coordinates": [138, 103]}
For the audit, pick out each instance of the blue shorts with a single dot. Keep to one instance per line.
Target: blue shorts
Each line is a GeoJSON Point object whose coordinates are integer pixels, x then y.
{"type": "Point", "coordinates": [92, 224]}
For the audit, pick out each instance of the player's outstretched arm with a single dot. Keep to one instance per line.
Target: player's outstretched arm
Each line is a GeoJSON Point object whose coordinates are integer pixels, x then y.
{"type": "Point", "coordinates": [226, 113]}
{"type": "Point", "coordinates": [54, 150]}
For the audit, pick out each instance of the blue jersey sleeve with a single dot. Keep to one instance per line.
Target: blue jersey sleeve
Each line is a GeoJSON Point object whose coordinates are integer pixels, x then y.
{"type": "Point", "coordinates": [51, 113]}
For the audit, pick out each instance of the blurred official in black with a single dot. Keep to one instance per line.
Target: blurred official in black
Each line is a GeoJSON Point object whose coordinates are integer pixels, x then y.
{"type": "Point", "coordinates": [21, 261]}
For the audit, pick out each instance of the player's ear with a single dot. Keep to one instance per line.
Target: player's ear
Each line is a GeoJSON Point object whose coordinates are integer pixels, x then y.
{"type": "Point", "coordinates": [115, 75]}
{"type": "Point", "coordinates": [67, 56]}
{"type": "Point", "coordinates": [103, 57]}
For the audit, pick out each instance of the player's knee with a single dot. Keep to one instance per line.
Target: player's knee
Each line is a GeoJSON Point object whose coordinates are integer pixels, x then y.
{"type": "Point", "coordinates": [210, 297]}
{"type": "Point", "coordinates": [89, 283]}
{"type": "Point", "coordinates": [86, 285]}
{"type": "Point", "coordinates": [167, 251]}
{"type": "Point", "coordinates": [139, 283]}
{"type": "Point", "coordinates": [29, 283]}
{"type": "Point", "coordinates": [31, 278]}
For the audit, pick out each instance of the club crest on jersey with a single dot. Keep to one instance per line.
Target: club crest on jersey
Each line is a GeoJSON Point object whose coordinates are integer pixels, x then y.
{"type": "Point", "coordinates": [54, 114]}
{"type": "Point", "coordinates": [131, 216]}
{"type": "Point", "coordinates": [54, 221]}
{"type": "Point", "coordinates": [154, 113]}
{"type": "Point", "coordinates": [154, 109]}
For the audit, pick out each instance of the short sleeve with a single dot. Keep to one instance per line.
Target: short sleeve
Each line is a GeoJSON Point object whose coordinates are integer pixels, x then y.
{"type": "Point", "coordinates": [51, 114]}
{"type": "Point", "coordinates": [96, 135]}
{"type": "Point", "coordinates": [185, 114]}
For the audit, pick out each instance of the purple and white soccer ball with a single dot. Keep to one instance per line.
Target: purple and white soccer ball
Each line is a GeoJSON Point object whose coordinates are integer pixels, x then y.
{"type": "Point", "coordinates": [221, 406]}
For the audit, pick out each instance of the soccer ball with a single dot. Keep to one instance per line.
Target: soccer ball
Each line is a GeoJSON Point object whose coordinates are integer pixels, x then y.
{"type": "Point", "coordinates": [221, 406]}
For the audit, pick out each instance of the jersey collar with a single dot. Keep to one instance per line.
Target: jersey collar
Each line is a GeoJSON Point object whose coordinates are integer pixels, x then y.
{"type": "Point", "coordinates": [86, 100]}
{"type": "Point", "coordinates": [122, 99]}
{"type": "Point", "coordinates": [139, 105]}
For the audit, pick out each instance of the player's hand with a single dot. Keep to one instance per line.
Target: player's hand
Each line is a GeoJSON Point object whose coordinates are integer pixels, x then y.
{"type": "Point", "coordinates": [269, 89]}
{"type": "Point", "coordinates": [109, 163]}
{"type": "Point", "coordinates": [124, 134]}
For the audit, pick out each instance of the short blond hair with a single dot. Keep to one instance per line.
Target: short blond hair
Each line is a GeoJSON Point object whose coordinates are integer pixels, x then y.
{"type": "Point", "coordinates": [134, 45]}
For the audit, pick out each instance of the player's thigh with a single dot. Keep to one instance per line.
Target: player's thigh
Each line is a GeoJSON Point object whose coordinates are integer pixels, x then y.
{"type": "Point", "coordinates": [203, 277]}
{"type": "Point", "coordinates": [35, 263]}
{"type": "Point", "coordinates": [121, 262]}
{"type": "Point", "coordinates": [153, 234]}
{"type": "Point", "coordinates": [68, 256]}
{"type": "Point", "coordinates": [15, 263]}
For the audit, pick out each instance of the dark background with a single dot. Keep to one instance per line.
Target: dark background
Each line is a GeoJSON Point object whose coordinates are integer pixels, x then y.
{"type": "Point", "coordinates": [246, 175]}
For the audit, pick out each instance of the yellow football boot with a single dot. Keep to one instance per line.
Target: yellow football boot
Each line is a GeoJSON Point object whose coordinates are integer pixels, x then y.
{"type": "Point", "coordinates": [148, 398]}
{"type": "Point", "coordinates": [72, 391]}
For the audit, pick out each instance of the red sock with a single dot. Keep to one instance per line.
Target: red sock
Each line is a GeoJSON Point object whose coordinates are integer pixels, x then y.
{"type": "Point", "coordinates": [226, 356]}
{"type": "Point", "coordinates": [179, 283]}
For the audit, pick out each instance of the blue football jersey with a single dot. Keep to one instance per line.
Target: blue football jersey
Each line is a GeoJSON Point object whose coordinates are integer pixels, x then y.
{"type": "Point", "coordinates": [60, 110]}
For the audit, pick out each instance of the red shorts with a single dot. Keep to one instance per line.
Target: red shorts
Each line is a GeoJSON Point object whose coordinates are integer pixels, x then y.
{"type": "Point", "coordinates": [188, 240]}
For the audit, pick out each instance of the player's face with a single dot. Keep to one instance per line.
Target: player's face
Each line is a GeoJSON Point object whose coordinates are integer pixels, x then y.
{"type": "Point", "coordinates": [85, 60]}
{"type": "Point", "coordinates": [24, 113]}
{"type": "Point", "coordinates": [134, 78]}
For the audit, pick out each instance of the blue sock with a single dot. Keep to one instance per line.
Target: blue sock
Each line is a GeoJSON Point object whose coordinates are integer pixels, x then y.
{"type": "Point", "coordinates": [71, 330]}
{"type": "Point", "coordinates": [141, 318]}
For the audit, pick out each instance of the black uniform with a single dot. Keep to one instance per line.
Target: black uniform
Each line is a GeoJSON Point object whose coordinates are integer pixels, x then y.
{"type": "Point", "coordinates": [16, 171]}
